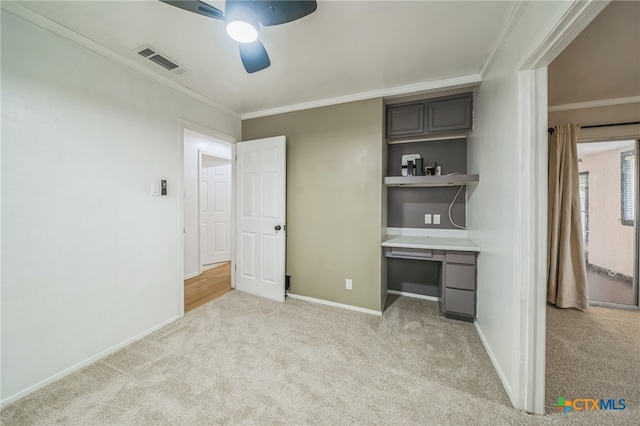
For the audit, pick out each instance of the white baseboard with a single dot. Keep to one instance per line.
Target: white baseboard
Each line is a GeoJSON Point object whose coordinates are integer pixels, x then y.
{"type": "Point", "coordinates": [496, 366]}
{"type": "Point", "coordinates": [13, 398]}
{"type": "Point", "coordinates": [195, 274]}
{"type": "Point", "coordinates": [334, 304]}
{"type": "Point", "coordinates": [414, 295]}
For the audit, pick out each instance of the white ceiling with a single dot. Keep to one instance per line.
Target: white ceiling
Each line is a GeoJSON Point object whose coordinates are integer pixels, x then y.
{"type": "Point", "coordinates": [343, 49]}
{"type": "Point", "coordinates": [603, 62]}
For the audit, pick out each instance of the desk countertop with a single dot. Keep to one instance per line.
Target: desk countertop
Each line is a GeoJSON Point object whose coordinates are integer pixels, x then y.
{"type": "Point", "coordinates": [435, 243]}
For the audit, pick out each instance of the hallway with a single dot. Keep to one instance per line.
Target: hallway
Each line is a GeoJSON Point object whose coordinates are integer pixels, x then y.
{"type": "Point", "coordinates": [206, 287]}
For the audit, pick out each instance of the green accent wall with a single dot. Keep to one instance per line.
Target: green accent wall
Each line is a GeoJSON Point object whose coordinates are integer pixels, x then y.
{"type": "Point", "coordinates": [335, 209]}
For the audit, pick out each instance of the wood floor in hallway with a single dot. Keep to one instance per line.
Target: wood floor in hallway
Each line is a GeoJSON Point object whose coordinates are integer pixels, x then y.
{"type": "Point", "coordinates": [210, 285]}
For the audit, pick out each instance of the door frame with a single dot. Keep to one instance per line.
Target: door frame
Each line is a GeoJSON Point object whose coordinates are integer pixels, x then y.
{"type": "Point", "coordinates": [223, 138]}
{"type": "Point", "coordinates": [531, 206]}
{"type": "Point", "coordinates": [202, 152]}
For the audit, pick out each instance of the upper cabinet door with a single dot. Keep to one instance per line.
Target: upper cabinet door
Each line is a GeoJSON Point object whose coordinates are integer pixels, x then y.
{"type": "Point", "coordinates": [405, 120]}
{"type": "Point", "coordinates": [450, 114]}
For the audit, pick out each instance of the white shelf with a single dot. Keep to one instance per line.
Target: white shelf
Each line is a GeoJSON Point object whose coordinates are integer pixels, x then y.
{"type": "Point", "coordinates": [434, 243]}
{"type": "Point", "coordinates": [425, 181]}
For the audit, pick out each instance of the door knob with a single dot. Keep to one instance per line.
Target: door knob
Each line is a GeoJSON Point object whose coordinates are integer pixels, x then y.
{"type": "Point", "coordinates": [278, 227]}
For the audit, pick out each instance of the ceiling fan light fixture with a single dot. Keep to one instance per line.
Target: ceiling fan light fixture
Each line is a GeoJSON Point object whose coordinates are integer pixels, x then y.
{"type": "Point", "coordinates": [242, 31]}
{"type": "Point", "coordinates": [243, 19]}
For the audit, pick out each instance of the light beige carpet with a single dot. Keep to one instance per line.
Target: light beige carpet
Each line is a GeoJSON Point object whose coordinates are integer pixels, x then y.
{"type": "Point", "coordinates": [244, 360]}
{"type": "Point", "coordinates": [594, 354]}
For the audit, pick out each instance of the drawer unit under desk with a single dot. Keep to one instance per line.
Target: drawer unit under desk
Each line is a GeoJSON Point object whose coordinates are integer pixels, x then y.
{"type": "Point", "coordinates": [415, 253]}
{"type": "Point", "coordinates": [460, 302]}
{"type": "Point", "coordinates": [462, 277]}
{"type": "Point", "coordinates": [459, 282]}
{"type": "Point", "coordinates": [460, 270]}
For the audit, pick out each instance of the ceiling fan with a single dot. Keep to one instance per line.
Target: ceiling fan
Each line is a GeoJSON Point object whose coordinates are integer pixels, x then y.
{"type": "Point", "coordinates": [243, 18]}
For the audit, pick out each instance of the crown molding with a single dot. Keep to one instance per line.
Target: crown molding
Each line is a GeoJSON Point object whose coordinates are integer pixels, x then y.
{"type": "Point", "coordinates": [507, 27]}
{"type": "Point", "coordinates": [469, 80]}
{"type": "Point", "coordinates": [595, 104]}
{"type": "Point", "coordinates": [64, 32]}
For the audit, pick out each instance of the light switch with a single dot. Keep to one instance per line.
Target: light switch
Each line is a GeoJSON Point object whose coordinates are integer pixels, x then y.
{"type": "Point", "coordinates": [155, 188]}
{"type": "Point", "coordinates": [436, 219]}
{"type": "Point", "coordinates": [427, 219]}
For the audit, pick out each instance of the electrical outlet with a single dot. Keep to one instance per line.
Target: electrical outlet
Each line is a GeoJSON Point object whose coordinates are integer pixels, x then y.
{"type": "Point", "coordinates": [349, 284]}
{"type": "Point", "coordinates": [427, 219]}
{"type": "Point", "coordinates": [436, 219]}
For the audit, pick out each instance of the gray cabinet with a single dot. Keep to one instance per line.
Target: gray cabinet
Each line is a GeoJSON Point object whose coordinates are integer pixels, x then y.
{"type": "Point", "coordinates": [449, 114]}
{"type": "Point", "coordinates": [458, 293]}
{"type": "Point", "coordinates": [459, 304]}
{"type": "Point", "coordinates": [406, 120]}
{"type": "Point", "coordinates": [462, 277]}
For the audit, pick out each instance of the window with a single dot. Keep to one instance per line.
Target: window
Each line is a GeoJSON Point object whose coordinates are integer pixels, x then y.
{"type": "Point", "coordinates": [584, 211]}
{"type": "Point", "coordinates": [628, 190]}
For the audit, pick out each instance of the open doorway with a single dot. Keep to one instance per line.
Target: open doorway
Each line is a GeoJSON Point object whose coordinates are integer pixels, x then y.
{"type": "Point", "coordinates": [215, 186]}
{"type": "Point", "coordinates": [595, 83]}
{"type": "Point", "coordinates": [535, 102]}
{"type": "Point", "coordinates": [208, 218]}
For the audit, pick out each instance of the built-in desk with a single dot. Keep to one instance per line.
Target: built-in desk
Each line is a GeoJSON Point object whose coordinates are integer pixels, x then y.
{"type": "Point", "coordinates": [457, 289]}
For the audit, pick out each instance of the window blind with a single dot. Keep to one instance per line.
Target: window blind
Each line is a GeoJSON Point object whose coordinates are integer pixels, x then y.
{"type": "Point", "coordinates": [628, 187]}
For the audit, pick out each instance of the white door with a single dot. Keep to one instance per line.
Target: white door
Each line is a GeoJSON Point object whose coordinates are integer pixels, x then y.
{"type": "Point", "coordinates": [215, 210]}
{"type": "Point", "coordinates": [260, 217]}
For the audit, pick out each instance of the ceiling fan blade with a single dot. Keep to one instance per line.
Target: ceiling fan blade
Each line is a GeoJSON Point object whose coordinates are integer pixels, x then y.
{"type": "Point", "coordinates": [254, 56]}
{"type": "Point", "coordinates": [195, 6]}
{"type": "Point", "coordinates": [271, 12]}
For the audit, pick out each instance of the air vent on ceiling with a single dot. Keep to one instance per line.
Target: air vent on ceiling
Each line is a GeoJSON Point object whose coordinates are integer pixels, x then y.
{"type": "Point", "coordinates": [146, 52]}
{"type": "Point", "coordinates": [161, 59]}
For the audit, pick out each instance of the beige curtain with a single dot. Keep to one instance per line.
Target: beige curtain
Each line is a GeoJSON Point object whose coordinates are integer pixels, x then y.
{"type": "Point", "coordinates": [566, 274]}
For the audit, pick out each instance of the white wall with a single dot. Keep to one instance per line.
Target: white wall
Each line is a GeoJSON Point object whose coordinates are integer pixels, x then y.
{"type": "Point", "coordinates": [193, 142]}
{"type": "Point", "coordinates": [492, 203]}
{"type": "Point", "coordinates": [89, 258]}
